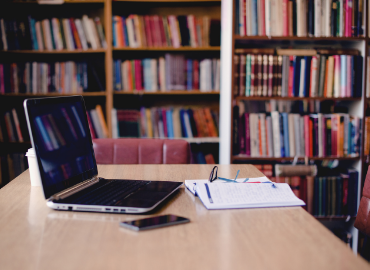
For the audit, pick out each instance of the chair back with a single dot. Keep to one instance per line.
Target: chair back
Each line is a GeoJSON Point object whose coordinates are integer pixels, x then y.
{"type": "Point", "coordinates": [141, 151]}
{"type": "Point", "coordinates": [362, 221]}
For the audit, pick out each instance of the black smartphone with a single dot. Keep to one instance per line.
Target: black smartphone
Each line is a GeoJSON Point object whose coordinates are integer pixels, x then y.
{"type": "Point", "coordinates": [153, 222]}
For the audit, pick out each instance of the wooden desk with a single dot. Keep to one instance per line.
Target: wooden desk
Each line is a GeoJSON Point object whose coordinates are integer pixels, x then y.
{"type": "Point", "coordinates": [32, 236]}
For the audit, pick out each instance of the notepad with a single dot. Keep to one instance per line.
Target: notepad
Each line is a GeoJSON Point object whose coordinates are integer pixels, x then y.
{"type": "Point", "coordinates": [246, 195]}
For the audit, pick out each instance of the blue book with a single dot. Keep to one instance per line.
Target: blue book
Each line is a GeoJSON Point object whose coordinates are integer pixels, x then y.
{"type": "Point", "coordinates": [124, 29]}
{"type": "Point", "coordinates": [286, 134]}
{"type": "Point", "coordinates": [33, 33]}
{"type": "Point", "coordinates": [189, 69]}
{"type": "Point", "coordinates": [114, 23]}
{"type": "Point", "coordinates": [118, 75]}
{"type": "Point", "coordinates": [183, 128]}
{"type": "Point", "coordinates": [201, 158]}
{"type": "Point", "coordinates": [282, 147]}
{"type": "Point", "coordinates": [350, 137]}
{"type": "Point", "coordinates": [169, 123]}
{"type": "Point", "coordinates": [254, 18]}
{"type": "Point", "coordinates": [296, 75]}
{"type": "Point", "coordinates": [146, 70]}
{"type": "Point", "coordinates": [306, 90]}
{"type": "Point", "coordinates": [248, 76]}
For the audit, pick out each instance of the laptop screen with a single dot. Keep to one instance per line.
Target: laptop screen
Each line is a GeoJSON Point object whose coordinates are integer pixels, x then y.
{"type": "Point", "coordinates": [62, 141]}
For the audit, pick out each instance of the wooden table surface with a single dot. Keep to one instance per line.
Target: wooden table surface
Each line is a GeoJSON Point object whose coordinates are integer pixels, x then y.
{"type": "Point", "coordinates": [33, 236]}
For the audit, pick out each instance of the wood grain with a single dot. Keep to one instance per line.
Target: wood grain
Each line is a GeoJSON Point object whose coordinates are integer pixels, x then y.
{"type": "Point", "coordinates": [36, 237]}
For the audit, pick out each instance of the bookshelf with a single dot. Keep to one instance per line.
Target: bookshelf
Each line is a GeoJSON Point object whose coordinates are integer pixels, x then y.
{"type": "Point", "coordinates": [232, 42]}
{"type": "Point", "coordinates": [103, 58]}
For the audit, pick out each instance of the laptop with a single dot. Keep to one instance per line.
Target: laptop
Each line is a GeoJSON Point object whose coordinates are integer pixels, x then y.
{"type": "Point", "coordinates": [60, 134]}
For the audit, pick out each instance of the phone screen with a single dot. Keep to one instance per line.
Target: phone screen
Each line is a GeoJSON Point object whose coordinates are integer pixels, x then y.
{"type": "Point", "coordinates": [153, 222]}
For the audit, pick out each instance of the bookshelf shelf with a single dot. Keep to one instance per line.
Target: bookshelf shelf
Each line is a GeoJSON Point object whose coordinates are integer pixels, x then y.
{"type": "Point", "coordinates": [298, 98]}
{"type": "Point", "coordinates": [283, 38]}
{"type": "Point", "coordinates": [246, 158]}
{"type": "Point", "coordinates": [56, 51]}
{"type": "Point", "coordinates": [173, 92]}
{"type": "Point", "coordinates": [54, 94]}
{"type": "Point", "coordinates": [65, 2]}
{"type": "Point", "coordinates": [215, 48]}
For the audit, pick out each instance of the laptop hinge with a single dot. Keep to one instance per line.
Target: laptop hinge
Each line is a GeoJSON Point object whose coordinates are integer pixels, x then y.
{"type": "Point", "coordinates": [76, 188]}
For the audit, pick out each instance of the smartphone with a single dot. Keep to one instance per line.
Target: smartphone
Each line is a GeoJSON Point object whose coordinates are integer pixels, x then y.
{"type": "Point", "coordinates": [153, 222]}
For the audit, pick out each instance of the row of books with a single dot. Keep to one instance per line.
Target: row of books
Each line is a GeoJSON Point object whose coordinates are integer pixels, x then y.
{"type": "Point", "coordinates": [13, 128]}
{"type": "Point", "coordinates": [11, 165]}
{"type": "Point", "coordinates": [200, 157]}
{"type": "Point", "coordinates": [298, 76]}
{"type": "Point", "coordinates": [333, 192]}
{"type": "Point", "coordinates": [137, 31]}
{"type": "Point", "coordinates": [172, 72]}
{"type": "Point", "coordinates": [314, 18]}
{"type": "Point", "coordinates": [52, 34]}
{"type": "Point", "coordinates": [98, 125]}
{"type": "Point", "coordinates": [368, 77]}
{"type": "Point", "coordinates": [42, 78]}
{"type": "Point", "coordinates": [165, 122]}
{"type": "Point", "coordinates": [288, 134]}
{"type": "Point", "coordinates": [326, 195]}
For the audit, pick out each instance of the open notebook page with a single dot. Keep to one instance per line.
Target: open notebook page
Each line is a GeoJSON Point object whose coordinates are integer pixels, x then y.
{"type": "Point", "coordinates": [238, 195]}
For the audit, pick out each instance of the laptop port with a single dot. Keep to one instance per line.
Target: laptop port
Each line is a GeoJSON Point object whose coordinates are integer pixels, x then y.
{"type": "Point", "coordinates": [115, 210]}
{"type": "Point", "coordinates": [107, 209]}
{"type": "Point", "coordinates": [70, 208]}
{"type": "Point", "coordinates": [123, 210]}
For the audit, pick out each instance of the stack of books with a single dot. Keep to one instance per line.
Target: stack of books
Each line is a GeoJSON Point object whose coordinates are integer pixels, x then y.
{"type": "Point", "coordinates": [314, 18]}
{"type": "Point", "coordinates": [42, 78]}
{"type": "Point", "coordinates": [288, 134]}
{"type": "Point", "coordinates": [326, 195]}
{"type": "Point", "coordinates": [298, 76]}
{"type": "Point", "coordinates": [172, 72]}
{"type": "Point", "coordinates": [165, 31]}
{"type": "Point", "coordinates": [52, 34]}
{"type": "Point", "coordinates": [165, 123]}
{"type": "Point", "coordinates": [97, 124]}
{"type": "Point", "coordinates": [13, 128]}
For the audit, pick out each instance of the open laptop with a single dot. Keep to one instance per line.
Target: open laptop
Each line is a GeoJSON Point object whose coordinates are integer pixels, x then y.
{"type": "Point", "coordinates": [61, 138]}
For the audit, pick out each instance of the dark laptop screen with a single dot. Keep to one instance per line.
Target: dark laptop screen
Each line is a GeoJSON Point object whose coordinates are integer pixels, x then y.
{"type": "Point", "coordinates": [62, 141]}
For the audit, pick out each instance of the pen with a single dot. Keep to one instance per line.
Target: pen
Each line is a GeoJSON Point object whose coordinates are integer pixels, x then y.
{"type": "Point", "coordinates": [209, 194]}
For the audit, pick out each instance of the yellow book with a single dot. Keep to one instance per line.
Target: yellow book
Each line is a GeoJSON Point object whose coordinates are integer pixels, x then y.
{"type": "Point", "coordinates": [103, 124]}
{"type": "Point", "coordinates": [149, 123]}
{"type": "Point", "coordinates": [329, 90]}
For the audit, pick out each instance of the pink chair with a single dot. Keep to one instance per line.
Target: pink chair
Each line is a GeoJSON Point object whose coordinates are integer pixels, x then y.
{"type": "Point", "coordinates": [141, 151]}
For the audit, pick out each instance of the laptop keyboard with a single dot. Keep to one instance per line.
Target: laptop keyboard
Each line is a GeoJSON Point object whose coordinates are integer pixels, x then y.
{"type": "Point", "coordinates": [108, 193]}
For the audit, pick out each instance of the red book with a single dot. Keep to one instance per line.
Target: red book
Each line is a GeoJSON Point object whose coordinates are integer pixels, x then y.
{"type": "Point", "coordinates": [267, 170]}
{"type": "Point", "coordinates": [120, 38]}
{"type": "Point", "coordinates": [153, 32]}
{"type": "Point", "coordinates": [92, 131]}
{"type": "Point", "coordinates": [209, 159]}
{"type": "Point", "coordinates": [253, 75]}
{"type": "Point", "coordinates": [334, 134]}
{"type": "Point", "coordinates": [195, 31]}
{"type": "Point", "coordinates": [242, 75]}
{"type": "Point", "coordinates": [345, 195]}
{"type": "Point", "coordinates": [291, 76]}
{"type": "Point", "coordinates": [259, 76]}
{"type": "Point", "coordinates": [157, 31]}
{"type": "Point", "coordinates": [148, 35]}
{"type": "Point", "coordinates": [137, 72]}
{"type": "Point", "coordinates": [348, 21]}
{"type": "Point", "coordinates": [271, 75]}
{"type": "Point", "coordinates": [163, 34]}
{"type": "Point", "coordinates": [164, 120]}
{"type": "Point", "coordinates": [75, 34]}
{"type": "Point", "coordinates": [195, 74]}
